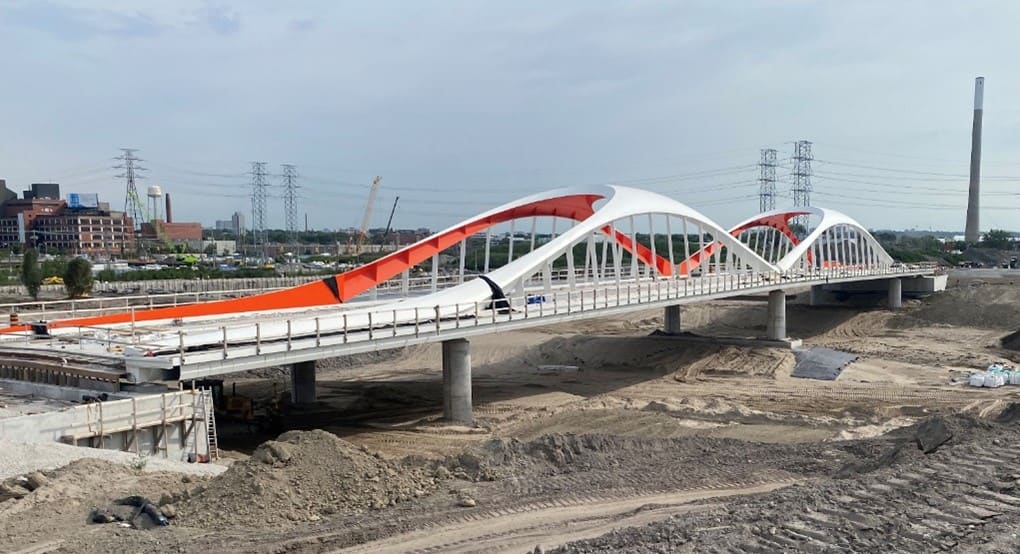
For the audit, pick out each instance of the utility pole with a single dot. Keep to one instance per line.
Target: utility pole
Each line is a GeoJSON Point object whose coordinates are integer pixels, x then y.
{"type": "Point", "coordinates": [132, 172]}
{"type": "Point", "coordinates": [258, 208]}
{"type": "Point", "coordinates": [290, 188]}
{"type": "Point", "coordinates": [802, 177]}
{"type": "Point", "coordinates": [767, 180]}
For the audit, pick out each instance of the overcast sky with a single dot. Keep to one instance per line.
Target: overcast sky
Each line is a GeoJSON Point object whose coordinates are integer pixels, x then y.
{"type": "Point", "coordinates": [462, 105]}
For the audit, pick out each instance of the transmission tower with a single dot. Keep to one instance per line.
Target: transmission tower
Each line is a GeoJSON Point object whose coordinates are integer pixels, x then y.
{"type": "Point", "coordinates": [132, 172]}
{"type": "Point", "coordinates": [259, 188]}
{"type": "Point", "coordinates": [767, 180]}
{"type": "Point", "coordinates": [802, 176]}
{"type": "Point", "coordinates": [290, 188]}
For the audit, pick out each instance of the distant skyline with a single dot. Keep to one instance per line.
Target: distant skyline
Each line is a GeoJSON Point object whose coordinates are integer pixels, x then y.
{"type": "Point", "coordinates": [460, 105]}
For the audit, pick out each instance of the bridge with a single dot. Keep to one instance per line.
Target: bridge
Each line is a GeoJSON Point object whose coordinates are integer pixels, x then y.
{"type": "Point", "coordinates": [617, 250]}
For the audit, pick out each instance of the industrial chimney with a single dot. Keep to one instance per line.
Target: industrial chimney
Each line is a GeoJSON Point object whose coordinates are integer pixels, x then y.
{"type": "Point", "coordinates": [169, 213]}
{"type": "Point", "coordinates": [973, 232]}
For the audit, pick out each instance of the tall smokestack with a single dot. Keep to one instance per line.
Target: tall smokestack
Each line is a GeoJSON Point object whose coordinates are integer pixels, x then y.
{"type": "Point", "coordinates": [973, 233]}
{"type": "Point", "coordinates": [169, 212]}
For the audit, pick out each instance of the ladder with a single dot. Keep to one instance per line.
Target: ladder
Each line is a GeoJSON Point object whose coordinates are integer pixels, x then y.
{"type": "Point", "coordinates": [209, 414]}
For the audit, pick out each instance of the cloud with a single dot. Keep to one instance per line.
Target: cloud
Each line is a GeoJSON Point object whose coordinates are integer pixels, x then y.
{"type": "Point", "coordinates": [222, 20]}
{"type": "Point", "coordinates": [302, 25]}
{"type": "Point", "coordinates": [76, 24]}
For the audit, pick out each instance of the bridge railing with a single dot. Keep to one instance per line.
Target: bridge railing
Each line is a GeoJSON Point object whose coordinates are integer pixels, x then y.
{"type": "Point", "coordinates": [325, 331]}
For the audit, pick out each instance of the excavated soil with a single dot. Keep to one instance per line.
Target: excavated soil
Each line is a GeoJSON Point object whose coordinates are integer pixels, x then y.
{"type": "Point", "coordinates": [632, 442]}
{"type": "Point", "coordinates": [963, 497]}
{"type": "Point", "coordinates": [302, 476]}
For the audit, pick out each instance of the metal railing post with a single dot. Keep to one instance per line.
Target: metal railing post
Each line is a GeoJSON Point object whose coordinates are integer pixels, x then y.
{"type": "Point", "coordinates": [416, 322]}
{"type": "Point", "coordinates": [437, 320]}
{"type": "Point", "coordinates": [345, 328]}
{"type": "Point", "coordinates": [224, 330]}
{"type": "Point", "coordinates": [370, 326]}
{"type": "Point", "coordinates": [394, 322]}
{"type": "Point", "coordinates": [318, 333]}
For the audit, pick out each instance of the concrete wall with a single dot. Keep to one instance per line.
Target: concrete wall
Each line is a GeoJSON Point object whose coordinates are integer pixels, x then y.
{"type": "Point", "coordinates": [111, 425]}
{"type": "Point", "coordinates": [67, 394]}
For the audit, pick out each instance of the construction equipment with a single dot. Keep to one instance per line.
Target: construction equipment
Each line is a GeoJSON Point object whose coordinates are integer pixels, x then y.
{"type": "Point", "coordinates": [389, 222]}
{"type": "Point", "coordinates": [363, 232]}
{"type": "Point", "coordinates": [158, 229]}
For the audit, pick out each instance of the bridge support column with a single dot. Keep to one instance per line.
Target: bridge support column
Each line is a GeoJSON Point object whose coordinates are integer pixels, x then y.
{"type": "Point", "coordinates": [776, 327]}
{"type": "Point", "coordinates": [671, 320]}
{"type": "Point", "coordinates": [895, 301]}
{"type": "Point", "coordinates": [817, 295]}
{"type": "Point", "coordinates": [457, 381]}
{"type": "Point", "coordinates": [302, 382]}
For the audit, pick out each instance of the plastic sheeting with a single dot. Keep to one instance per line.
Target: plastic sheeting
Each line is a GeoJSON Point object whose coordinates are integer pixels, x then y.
{"type": "Point", "coordinates": [821, 363]}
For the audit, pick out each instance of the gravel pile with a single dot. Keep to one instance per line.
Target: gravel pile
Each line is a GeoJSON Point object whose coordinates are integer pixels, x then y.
{"type": "Point", "coordinates": [302, 476]}
{"type": "Point", "coordinates": [18, 458]}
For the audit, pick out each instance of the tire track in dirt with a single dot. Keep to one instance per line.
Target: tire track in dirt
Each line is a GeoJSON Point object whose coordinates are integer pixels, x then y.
{"type": "Point", "coordinates": [501, 528]}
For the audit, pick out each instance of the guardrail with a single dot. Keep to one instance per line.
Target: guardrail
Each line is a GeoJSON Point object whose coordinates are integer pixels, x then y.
{"type": "Point", "coordinates": [86, 307]}
{"type": "Point", "coordinates": [318, 336]}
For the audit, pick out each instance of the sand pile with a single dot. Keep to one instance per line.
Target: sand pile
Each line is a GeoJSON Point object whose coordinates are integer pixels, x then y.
{"type": "Point", "coordinates": [735, 360]}
{"type": "Point", "coordinates": [302, 476]}
{"type": "Point", "coordinates": [592, 352]}
{"type": "Point", "coordinates": [982, 305]}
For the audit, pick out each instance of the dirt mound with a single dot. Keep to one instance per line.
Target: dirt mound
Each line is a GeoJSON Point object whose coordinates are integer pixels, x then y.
{"type": "Point", "coordinates": [556, 454]}
{"type": "Point", "coordinates": [663, 353]}
{"type": "Point", "coordinates": [302, 476]}
{"type": "Point", "coordinates": [983, 305]}
{"type": "Point", "coordinates": [735, 360]}
{"type": "Point", "coordinates": [912, 441]}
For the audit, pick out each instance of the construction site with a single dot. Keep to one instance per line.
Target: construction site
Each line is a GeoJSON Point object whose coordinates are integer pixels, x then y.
{"type": "Point", "coordinates": [599, 436]}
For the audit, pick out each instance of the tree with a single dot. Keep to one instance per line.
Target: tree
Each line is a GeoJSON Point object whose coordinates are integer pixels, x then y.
{"type": "Point", "coordinates": [78, 278]}
{"type": "Point", "coordinates": [31, 274]}
{"type": "Point", "coordinates": [997, 238]}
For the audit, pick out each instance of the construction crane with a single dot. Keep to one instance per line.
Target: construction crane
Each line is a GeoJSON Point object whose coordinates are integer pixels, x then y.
{"type": "Point", "coordinates": [389, 222]}
{"type": "Point", "coordinates": [363, 232]}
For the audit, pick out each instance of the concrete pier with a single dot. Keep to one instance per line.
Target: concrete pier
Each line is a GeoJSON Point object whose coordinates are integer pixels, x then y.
{"type": "Point", "coordinates": [895, 294]}
{"type": "Point", "coordinates": [776, 326]}
{"type": "Point", "coordinates": [671, 320]}
{"type": "Point", "coordinates": [457, 381]}
{"type": "Point", "coordinates": [302, 382]}
{"type": "Point", "coordinates": [818, 296]}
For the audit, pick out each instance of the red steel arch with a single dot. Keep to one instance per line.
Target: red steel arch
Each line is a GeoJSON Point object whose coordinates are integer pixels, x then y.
{"type": "Point", "coordinates": [345, 286]}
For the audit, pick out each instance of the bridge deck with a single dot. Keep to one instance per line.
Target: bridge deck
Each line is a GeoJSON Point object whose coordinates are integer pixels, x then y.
{"type": "Point", "coordinates": [257, 340]}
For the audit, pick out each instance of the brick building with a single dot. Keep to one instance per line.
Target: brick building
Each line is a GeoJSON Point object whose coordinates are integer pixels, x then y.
{"type": "Point", "coordinates": [45, 222]}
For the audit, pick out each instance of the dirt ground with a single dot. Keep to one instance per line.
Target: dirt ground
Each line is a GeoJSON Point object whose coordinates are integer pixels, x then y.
{"type": "Point", "coordinates": [653, 444]}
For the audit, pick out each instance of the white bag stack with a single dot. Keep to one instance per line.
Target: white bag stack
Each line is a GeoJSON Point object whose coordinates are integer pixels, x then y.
{"type": "Point", "coordinates": [994, 379]}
